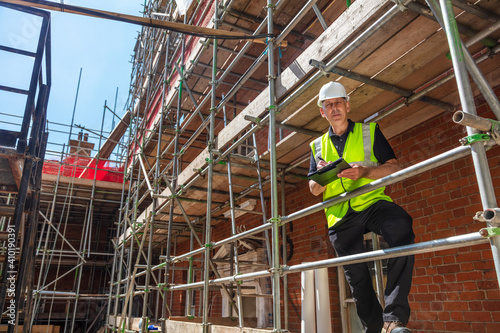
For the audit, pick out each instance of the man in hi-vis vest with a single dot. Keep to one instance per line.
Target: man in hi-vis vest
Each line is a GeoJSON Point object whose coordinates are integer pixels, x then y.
{"type": "Point", "coordinates": [371, 157]}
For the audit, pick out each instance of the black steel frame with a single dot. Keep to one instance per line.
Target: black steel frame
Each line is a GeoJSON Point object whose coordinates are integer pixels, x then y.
{"type": "Point", "coordinates": [32, 151]}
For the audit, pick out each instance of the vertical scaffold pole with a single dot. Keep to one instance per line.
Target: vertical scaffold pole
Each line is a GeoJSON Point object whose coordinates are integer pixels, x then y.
{"type": "Point", "coordinates": [147, 284]}
{"type": "Point", "coordinates": [175, 169]}
{"type": "Point", "coordinates": [117, 260]}
{"type": "Point", "coordinates": [134, 226]}
{"type": "Point", "coordinates": [89, 223]}
{"type": "Point", "coordinates": [44, 252]}
{"type": "Point", "coordinates": [211, 141]}
{"type": "Point", "coordinates": [285, 251]}
{"type": "Point", "coordinates": [274, 177]}
{"type": "Point", "coordinates": [122, 222]}
{"type": "Point", "coordinates": [234, 251]}
{"type": "Point", "coordinates": [164, 288]}
{"type": "Point", "coordinates": [483, 175]}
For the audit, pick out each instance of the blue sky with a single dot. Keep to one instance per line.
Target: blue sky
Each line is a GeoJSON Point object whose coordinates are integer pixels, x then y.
{"type": "Point", "coordinates": [102, 48]}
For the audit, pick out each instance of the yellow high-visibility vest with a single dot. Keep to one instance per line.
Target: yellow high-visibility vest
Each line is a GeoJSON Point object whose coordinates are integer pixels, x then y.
{"type": "Point", "coordinates": [358, 149]}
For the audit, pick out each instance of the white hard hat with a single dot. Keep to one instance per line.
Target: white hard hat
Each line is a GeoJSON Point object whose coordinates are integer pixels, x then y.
{"type": "Point", "coordinates": [332, 90]}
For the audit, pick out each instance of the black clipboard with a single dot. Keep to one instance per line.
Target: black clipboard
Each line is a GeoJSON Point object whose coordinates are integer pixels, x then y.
{"type": "Point", "coordinates": [329, 173]}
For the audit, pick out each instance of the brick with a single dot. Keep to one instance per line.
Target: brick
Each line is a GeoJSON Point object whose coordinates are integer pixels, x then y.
{"type": "Point", "coordinates": [478, 327]}
{"type": "Point", "coordinates": [475, 306]}
{"type": "Point", "coordinates": [489, 274]}
{"type": "Point", "coordinates": [471, 295]}
{"type": "Point", "coordinates": [487, 255]}
{"type": "Point", "coordinates": [487, 285]}
{"type": "Point", "coordinates": [470, 285]}
{"type": "Point", "coordinates": [433, 288]}
{"type": "Point", "coordinates": [437, 261]}
{"type": "Point", "coordinates": [481, 316]}
{"type": "Point", "coordinates": [436, 306]}
{"type": "Point", "coordinates": [495, 316]}
{"type": "Point", "coordinates": [422, 289]}
{"type": "Point", "coordinates": [427, 316]}
{"type": "Point", "coordinates": [468, 276]}
{"type": "Point", "coordinates": [449, 259]}
{"type": "Point", "coordinates": [453, 175]}
{"type": "Point", "coordinates": [436, 326]}
{"type": "Point", "coordinates": [482, 265]}
{"type": "Point", "coordinates": [444, 169]}
{"type": "Point", "coordinates": [443, 316]}
{"type": "Point", "coordinates": [440, 198]}
{"type": "Point", "coordinates": [422, 263]}
{"type": "Point", "coordinates": [470, 256]}
{"type": "Point", "coordinates": [466, 267]}
{"type": "Point", "coordinates": [423, 297]}
{"type": "Point", "coordinates": [437, 189]}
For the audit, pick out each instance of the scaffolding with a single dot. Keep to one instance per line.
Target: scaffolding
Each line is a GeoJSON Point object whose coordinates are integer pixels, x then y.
{"type": "Point", "coordinates": [213, 139]}
{"type": "Point", "coordinates": [165, 180]}
{"type": "Point", "coordinates": [57, 191]}
{"type": "Point", "coordinates": [82, 195]}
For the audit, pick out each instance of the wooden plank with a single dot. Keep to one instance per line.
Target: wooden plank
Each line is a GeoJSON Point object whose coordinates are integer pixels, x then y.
{"type": "Point", "coordinates": [406, 119]}
{"type": "Point", "coordinates": [395, 74]}
{"type": "Point", "coordinates": [415, 32]}
{"type": "Point", "coordinates": [330, 13]}
{"type": "Point", "coordinates": [291, 148]}
{"type": "Point", "coordinates": [114, 137]}
{"type": "Point", "coordinates": [7, 210]}
{"type": "Point", "coordinates": [194, 327]}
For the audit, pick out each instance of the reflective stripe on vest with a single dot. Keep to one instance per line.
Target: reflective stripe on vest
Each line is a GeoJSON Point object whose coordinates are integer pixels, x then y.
{"type": "Point", "coordinates": [367, 138]}
{"type": "Point", "coordinates": [359, 150]}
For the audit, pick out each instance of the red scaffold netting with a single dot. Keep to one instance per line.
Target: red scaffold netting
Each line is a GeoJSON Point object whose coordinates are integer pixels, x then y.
{"type": "Point", "coordinates": [85, 167]}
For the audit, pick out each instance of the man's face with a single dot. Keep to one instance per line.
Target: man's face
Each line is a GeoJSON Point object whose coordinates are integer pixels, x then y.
{"type": "Point", "coordinates": [335, 111]}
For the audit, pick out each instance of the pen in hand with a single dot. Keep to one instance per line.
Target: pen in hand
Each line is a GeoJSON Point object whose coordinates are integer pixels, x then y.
{"type": "Point", "coordinates": [321, 163]}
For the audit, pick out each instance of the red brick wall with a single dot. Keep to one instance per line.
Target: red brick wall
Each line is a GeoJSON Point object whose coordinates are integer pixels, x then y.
{"type": "Point", "coordinates": [454, 290]}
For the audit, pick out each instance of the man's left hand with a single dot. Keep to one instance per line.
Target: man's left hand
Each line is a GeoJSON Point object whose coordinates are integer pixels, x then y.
{"type": "Point", "coordinates": [355, 172]}
{"type": "Point", "coordinates": [359, 171]}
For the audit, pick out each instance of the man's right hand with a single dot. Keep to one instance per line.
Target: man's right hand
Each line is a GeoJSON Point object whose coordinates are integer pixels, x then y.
{"type": "Point", "coordinates": [322, 164]}
{"type": "Point", "coordinates": [315, 188]}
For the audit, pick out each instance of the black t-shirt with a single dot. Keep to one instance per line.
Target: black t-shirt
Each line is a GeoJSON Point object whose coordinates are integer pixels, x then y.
{"type": "Point", "coordinates": [381, 147]}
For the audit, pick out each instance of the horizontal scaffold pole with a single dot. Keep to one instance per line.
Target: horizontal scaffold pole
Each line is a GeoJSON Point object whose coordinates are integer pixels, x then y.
{"type": "Point", "coordinates": [431, 246]}
{"type": "Point", "coordinates": [411, 171]}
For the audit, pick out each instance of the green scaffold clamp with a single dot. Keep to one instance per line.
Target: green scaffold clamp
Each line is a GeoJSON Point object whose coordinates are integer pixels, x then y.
{"type": "Point", "coordinates": [275, 220]}
{"type": "Point", "coordinates": [468, 140]}
{"type": "Point", "coordinates": [274, 108]}
{"type": "Point", "coordinates": [490, 232]}
{"type": "Point", "coordinates": [163, 287]}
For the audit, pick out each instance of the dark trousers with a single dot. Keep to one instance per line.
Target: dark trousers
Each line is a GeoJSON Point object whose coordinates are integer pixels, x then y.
{"type": "Point", "coordinates": [395, 225]}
